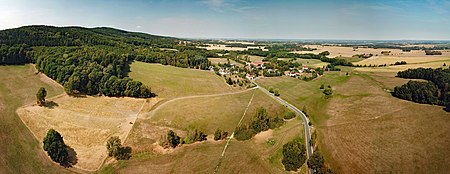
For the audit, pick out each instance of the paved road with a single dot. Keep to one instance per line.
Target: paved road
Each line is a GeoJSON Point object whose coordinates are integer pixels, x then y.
{"type": "Point", "coordinates": [309, 148]}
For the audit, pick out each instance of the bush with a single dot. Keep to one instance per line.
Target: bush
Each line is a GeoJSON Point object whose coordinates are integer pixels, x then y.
{"type": "Point", "coordinates": [322, 86]}
{"type": "Point", "coordinates": [116, 150]}
{"type": "Point", "coordinates": [220, 134]}
{"type": "Point", "coordinates": [288, 115]}
{"type": "Point", "coordinates": [276, 92]}
{"type": "Point", "coordinates": [328, 92]}
{"type": "Point", "coordinates": [271, 90]}
{"type": "Point", "coordinates": [294, 155]}
{"type": "Point", "coordinates": [195, 135]}
{"type": "Point", "coordinates": [173, 139]}
{"type": "Point", "coordinates": [244, 133]}
{"type": "Point", "coordinates": [56, 148]}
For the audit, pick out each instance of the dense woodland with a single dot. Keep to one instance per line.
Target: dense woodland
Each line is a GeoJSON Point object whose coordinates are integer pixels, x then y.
{"type": "Point", "coordinates": [95, 60]}
{"type": "Point", "coordinates": [435, 91]}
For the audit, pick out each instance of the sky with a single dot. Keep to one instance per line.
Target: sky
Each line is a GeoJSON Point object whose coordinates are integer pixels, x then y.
{"type": "Point", "coordinates": [247, 19]}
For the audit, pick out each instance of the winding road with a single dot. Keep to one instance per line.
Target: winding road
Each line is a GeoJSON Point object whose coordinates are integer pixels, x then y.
{"type": "Point", "coordinates": [309, 148]}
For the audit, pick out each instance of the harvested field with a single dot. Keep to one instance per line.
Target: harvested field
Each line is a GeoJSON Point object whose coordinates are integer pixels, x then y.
{"type": "Point", "coordinates": [85, 123]}
{"type": "Point", "coordinates": [396, 68]}
{"type": "Point", "coordinates": [369, 131]}
{"type": "Point", "coordinates": [224, 47]}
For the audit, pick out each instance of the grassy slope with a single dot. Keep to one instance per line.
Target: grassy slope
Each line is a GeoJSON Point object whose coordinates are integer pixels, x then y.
{"type": "Point", "coordinates": [19, 151]}
{"type": "Point", "coordinates": [215, 112]}
{"type": "Point", "coordinates": [363, 129]}
{"type": "Point", "coordinates": [169, 81]}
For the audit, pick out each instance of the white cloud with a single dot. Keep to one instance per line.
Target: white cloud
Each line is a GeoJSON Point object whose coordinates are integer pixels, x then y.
{"type": "Point", "coordinates": [138, 26]}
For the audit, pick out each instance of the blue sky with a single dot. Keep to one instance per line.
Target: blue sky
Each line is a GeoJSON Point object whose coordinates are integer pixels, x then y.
{"type": "Point", "coordinates": [282, 19]}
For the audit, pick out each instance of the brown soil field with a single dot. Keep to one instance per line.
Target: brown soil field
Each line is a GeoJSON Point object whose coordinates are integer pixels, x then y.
{"type": "Point", "coordinates": [85, 123]}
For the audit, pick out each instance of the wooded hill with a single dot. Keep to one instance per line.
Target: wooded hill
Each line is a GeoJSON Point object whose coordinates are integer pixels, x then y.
{"type": "Point", "coordinates": [95, 60]}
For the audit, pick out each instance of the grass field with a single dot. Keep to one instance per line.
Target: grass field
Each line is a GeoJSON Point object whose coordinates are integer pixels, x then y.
{"type": "Point", "coordinates": [170, 82]}
{"type": "Point", "coordinates": [216, 61]}
{"type": "Point", "coordinates": [366, 130]}
{"type": "Point", "coordinates": [254, 156]}
{"type": "Point", "coordinates": [309, 62]}
{"type": "Point", "coordinates": [20, 152]}
{"type": "Point", "coordinates": [85, 123]}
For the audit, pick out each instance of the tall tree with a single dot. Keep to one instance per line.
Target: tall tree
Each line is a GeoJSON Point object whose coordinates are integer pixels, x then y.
{"type": "Point", "coordinates": [40, 95]}
{"type": "Point", "coordinates": [56, 148]}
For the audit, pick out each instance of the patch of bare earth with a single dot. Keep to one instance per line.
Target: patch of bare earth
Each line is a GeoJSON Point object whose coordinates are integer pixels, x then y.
{"type": "Point", "coordinates": [263, 136]}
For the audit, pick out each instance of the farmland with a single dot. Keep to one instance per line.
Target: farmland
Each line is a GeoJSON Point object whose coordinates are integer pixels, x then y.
{"type": "Point", "coordinates": [363, 121]}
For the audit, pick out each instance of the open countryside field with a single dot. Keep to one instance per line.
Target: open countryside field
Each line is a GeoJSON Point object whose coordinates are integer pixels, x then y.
{"type": "Point", "coordinates": [365, 129]}
{"type": "Point", "coordinates": [170, 82]}
{"type": "Point", "coordinates": [85, 123]}
{"type": "Point", "coordinates": [340, 51]}
{"type": "Point", "coordinates": [396, 68]}
{"type": "Point", "coordinates": [20, 152]}
{"type": "Point", "coordinates": [216, 61]}
{"type": "Point", "coordinates": [308, 62]}
{"type": "Point", "coordinates": [224, 47]}
{"type": "Point", "coordinates": [410, 58]}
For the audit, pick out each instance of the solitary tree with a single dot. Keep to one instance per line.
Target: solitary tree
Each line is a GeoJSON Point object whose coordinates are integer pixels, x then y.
{"type": "Point", "coordinates": [41, 94]}
{"type": "Point", "coordinates": [55, 147]}
{"type": "Point", "coordinates": [294, 155]}
{"type": "Point", "coordinates": [116, 150]}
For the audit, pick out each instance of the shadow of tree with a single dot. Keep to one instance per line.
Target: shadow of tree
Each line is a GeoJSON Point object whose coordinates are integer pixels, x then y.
{"type": "Point", "coordinates": [72, 158]}
{"type": "Point", "coordinates": [51, 104]}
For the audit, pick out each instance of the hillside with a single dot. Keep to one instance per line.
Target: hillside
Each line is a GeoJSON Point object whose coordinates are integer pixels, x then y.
{"type": "Point", "coordinates": [39, 35]}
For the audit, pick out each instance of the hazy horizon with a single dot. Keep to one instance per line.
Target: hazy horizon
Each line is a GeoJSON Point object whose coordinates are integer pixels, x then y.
{"type": "Point", "coordinates": [244, 19]}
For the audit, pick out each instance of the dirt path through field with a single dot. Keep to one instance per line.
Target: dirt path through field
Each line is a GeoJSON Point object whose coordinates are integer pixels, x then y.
{"type": "Point", "coordinates": [232, 134]}
{"type": "Point", "coordinates": [152, 112]}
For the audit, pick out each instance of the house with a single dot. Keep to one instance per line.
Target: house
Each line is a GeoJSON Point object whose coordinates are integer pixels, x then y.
{"type": "Point", "coordinates": [223, 71]}
{"type": "Point", "coordinates": [249, 76]}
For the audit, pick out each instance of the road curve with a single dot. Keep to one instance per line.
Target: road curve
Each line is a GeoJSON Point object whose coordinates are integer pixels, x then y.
{"type": "Point", "coordinates": [309, 148]}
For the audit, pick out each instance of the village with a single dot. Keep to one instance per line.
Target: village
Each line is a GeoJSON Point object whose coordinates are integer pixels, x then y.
{"type": "Point", "coordinates": [273, 67]}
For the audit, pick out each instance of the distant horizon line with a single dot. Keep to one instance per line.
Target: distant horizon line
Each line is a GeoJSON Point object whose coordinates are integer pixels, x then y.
{"type": "Point", "coordinates": [234, 38]}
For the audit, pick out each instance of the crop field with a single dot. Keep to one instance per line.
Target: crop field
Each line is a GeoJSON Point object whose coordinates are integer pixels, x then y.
{"type": "Point", "coordinates": [224, 47]}
{"type": "Point", "coordinates": [20, 152]}
{"type": "Point", "coordinates": [170, 82]}
{"type": "Point", "coordinates": [380, 60]}
{"type": "Point", "coordinates": [366, 130]}
{"type": "Point", "coordinates": [85, 123]}
{"type": "Point", "coordinates": [338, 51]}
{"type": "Point", "coordinates": [309, 62]}
{"type": "Point", "coordinates": [396, 68]}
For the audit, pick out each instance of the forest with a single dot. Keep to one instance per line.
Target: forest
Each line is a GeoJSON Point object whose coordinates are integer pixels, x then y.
{"type": "Point", "coordinates": [434, 91]}
{"type": "Point", "coordinates": [95, 61]}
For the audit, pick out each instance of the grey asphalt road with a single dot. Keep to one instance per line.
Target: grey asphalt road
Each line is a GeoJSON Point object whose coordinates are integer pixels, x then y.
{"type": "Point", "coordinates": [309, 148]}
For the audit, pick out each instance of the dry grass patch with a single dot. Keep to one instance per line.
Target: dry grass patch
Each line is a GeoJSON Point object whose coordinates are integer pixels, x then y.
{"type": "Point", "coordinates": [170, 82]}
{"type": "Point", "coordinates": [20, 152]}
{"type": "Point", "coordinates": [369, 131]}
{"type": "Point", "coordinates": [85, 123]}
{"type": "Point", "coordinates": [395, 69]}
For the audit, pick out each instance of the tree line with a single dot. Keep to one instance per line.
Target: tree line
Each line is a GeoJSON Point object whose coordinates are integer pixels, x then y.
{"type": "Point", "coordinates": [434, 91]}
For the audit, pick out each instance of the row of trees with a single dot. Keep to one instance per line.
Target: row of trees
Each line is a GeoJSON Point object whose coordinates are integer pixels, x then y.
{"type": "Point", "coordinates": [260, 122]}
{"type": "Point", "coordinates": [435, 91]}
{"type": "Point", "coordinates": [171, 139]}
